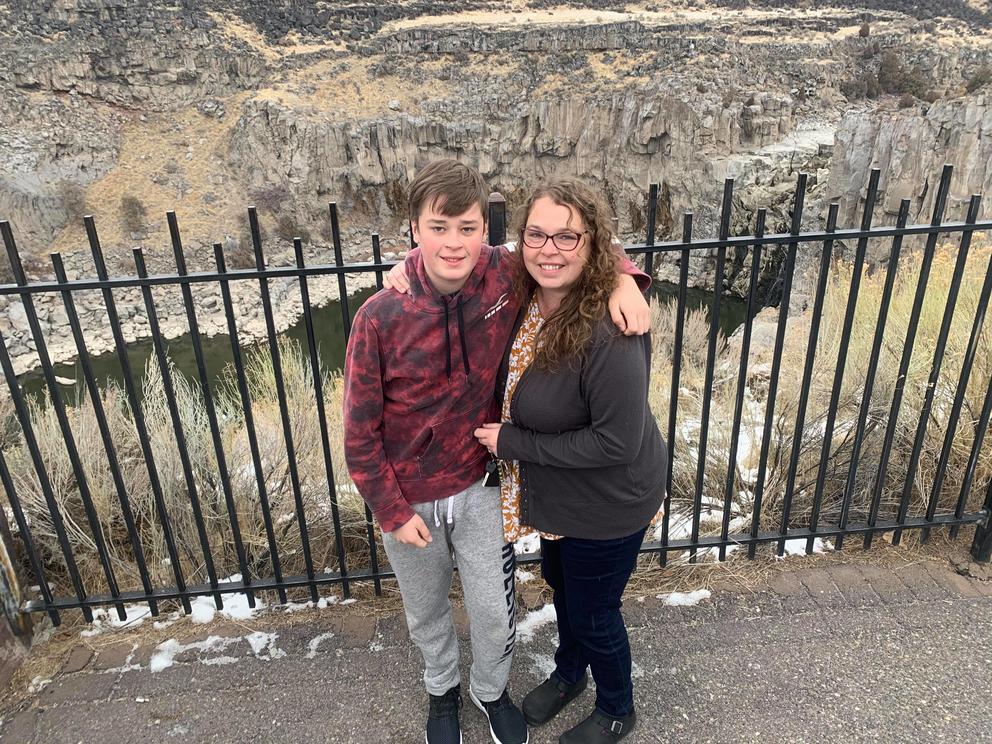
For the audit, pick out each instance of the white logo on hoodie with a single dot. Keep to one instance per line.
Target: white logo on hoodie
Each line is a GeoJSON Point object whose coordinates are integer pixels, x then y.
{"type": "Point", "coordinates": [500, 304]}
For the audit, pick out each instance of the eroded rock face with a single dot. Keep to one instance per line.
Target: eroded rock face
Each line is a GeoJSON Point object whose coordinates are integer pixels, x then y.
{"type": "Point", "coordinates": [51, 151]}
{"type": "Point", "coordinates": [621, 144]}
{"type": "Point", "coordinates": [911, 147]}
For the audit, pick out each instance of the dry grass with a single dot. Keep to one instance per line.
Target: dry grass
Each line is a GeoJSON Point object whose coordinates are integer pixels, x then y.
{"type": "Point", "coordinates": [169, 161]}
{"type": "Point", "coordinates": [848, 407]}
{"type": "Point", "coordinates": [309, 458]}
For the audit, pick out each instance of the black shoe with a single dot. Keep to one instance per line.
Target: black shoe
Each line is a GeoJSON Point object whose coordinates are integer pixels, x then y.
{"type": "Point", "coordinates": [546, 700]}
{"type": "Point", "coordinates": [600, 729]}
{"type": "Point", "coordinates": [442, 717]}
{"type": "Point", "coordinates": [506, 722]}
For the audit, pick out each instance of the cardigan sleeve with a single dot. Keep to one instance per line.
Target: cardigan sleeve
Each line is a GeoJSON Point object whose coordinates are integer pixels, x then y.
{"type": "Point", "coordinates": [614, 388]}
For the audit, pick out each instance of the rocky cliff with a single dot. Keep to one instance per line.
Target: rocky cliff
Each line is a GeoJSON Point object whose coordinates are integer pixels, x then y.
{"type": "Point", "coordinates": [126, 108]}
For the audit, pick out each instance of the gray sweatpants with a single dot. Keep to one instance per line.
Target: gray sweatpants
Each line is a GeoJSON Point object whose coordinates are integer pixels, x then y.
{"type": "Point", "coordinates": [467, 529]}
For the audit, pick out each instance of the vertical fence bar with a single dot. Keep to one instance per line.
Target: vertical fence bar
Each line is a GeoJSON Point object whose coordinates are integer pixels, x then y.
{"type": "Point", "coordinates": [783, 318]}
{"type": "Point", "coordinates": [704, 421]}
{"type": "Point", "coordinates": [318, 388]}
{"type": "Point", "coordinates": [208, 402]}
{"type": "Point", "coordinates": [838, 383]}
{"type": "Point", "coordinates": [752, 310]}
{"type": "Point", "coordinates": [981, 430]}
{"type": "Point", "coordinates": [270, 327]}
{"type": "Point", "coordinates": [29, 546]}
{"type": "Point", "coordinates": [339, 261]}
{"type": "Point", "coordinates": [652, 220]}
{"type": "Point", "coordinates": [891, 270]}
{"type": "Point", "coordinates": [940, 203]}
{"type": "Point", "coordinates": [814, 335]}
{"type": "Point", "coordinates": [497, 219]}
{"type": "Point", "coordinates": [105, 435]}
{"type": "Point", "coordinates": [177, 426]}
{"type": "Point", "coordinates": [369, 525]}
{"type": "Point", "coordinates": [63, 420]}
{"type": "Point", "coordinates": [962, 388]}
{"type": "Point", "coordinates": [673, 403]}
{"type": "Point", "coordinates": [938, 360]}
{"type": "Point", "coordinates": [135, 404]}
{"type": "Point", "coordinates": [246, 405]}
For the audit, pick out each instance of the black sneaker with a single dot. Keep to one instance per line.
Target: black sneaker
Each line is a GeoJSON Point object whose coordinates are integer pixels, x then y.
{"type": "Point", "coordinates": [442, 717]}
{"type": "Point", "coordinates": [506, 722]}
{"type": "Point", "coordinates": [600, 729]}
{"type": "Point", "coordinates": [546, 700]}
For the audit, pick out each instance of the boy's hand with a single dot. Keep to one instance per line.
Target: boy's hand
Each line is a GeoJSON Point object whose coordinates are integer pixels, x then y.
{"type": "Point", "coordinates": [488, 436]}
{"type": "Point", "coordinates": [396, 280]}
{"type": "Point", "coordinates": [628, 308]}
{"type": "Point", "coordinates": [414, 532]}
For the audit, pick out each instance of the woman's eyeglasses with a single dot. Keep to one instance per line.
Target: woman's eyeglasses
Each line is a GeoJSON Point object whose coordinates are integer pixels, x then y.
{"type": "Point", "coordinates": [564, 241]}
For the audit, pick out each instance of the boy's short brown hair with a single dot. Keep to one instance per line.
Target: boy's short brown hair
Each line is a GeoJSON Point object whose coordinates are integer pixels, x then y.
{"type": "Point", "coordinates": [450, 187]}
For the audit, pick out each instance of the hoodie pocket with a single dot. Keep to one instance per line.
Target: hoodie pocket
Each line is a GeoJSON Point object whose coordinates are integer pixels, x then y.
{"type": "Point", "coordinates": [452, 442]}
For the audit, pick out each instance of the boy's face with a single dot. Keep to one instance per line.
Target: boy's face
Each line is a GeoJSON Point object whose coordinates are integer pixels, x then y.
{"type": "Point", "coordinates": [450, 245]}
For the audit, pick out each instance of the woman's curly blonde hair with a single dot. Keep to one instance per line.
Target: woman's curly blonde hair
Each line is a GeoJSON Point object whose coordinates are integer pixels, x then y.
{"type": "Point", "coordinates": [566, 333]}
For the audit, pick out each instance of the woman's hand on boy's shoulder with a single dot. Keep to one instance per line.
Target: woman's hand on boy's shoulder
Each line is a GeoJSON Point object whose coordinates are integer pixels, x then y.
{"type": "Point", "coordinates": [397, 279]}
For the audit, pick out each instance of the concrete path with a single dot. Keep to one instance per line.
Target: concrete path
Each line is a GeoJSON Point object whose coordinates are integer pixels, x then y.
{"type": "Point", "coordinates": [835, 652]}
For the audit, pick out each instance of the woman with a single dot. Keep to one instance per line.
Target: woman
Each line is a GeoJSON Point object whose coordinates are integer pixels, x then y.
{"type": "Point", "coordinates": [581, 457]}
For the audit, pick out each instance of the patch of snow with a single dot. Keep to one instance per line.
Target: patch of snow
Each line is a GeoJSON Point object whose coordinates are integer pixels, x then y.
{"type": "Point", "coordinates": [797, 546]}
{"type": "Point", "coordinates": [106, 618]}
{"type": "Point", "coordinates": [529, 543]}
{"type": "Point", "coordinates": [524, 576]}
{"type": "Point", "coordinates": [219, 660]}
{"type": "Point", "coordinates": [164, 656]}
{"type": "Point", "coordinates": [533, 621]}
{"type": "Point", "coordinates": [685, 599]}
{"type": "Point", "coordinates": [236, 605]}
{"type": "Point", "coordinates": [263, 645]}
{"type": "Point", "coordinates": [296, 606]}
{"type": "Point", "coordinates": [350, 600]}
{"type": "Point", "coordinates": [38, 683]}
{"type": "Point", "coordinates": [166, 652]}
{"type": "Point", "coordinates": [315, 642]}
{"type": "Point", "coordinates": [543, 664]}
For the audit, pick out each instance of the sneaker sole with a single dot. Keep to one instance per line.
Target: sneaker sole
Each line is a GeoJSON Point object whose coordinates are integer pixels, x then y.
{"type": "Point", "coordinates": [480, 706]}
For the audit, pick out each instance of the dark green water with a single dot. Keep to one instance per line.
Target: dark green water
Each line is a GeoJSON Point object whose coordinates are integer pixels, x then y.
{"type": "Point", "coordinates": [330, 344]}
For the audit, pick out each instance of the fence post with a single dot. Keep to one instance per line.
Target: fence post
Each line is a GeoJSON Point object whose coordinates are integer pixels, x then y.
{"type": "Point", "coordinates": [497, 219]}
{"type": "Point", "coordinates": [15, 626]}
{"type": "Point", "coordinates": [981, 548]}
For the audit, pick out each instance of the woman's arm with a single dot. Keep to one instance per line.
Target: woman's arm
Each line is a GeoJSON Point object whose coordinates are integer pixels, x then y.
{"type": "Point", "coordinates": [615, 384]}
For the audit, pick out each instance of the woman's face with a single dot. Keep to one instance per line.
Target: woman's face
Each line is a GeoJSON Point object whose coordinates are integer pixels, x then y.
{"type": "Point", "coordinates": [558, 264]}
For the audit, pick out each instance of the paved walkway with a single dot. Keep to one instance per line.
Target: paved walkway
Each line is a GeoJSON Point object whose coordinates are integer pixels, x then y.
{"type": "Point", "coordinates": [829, 653]}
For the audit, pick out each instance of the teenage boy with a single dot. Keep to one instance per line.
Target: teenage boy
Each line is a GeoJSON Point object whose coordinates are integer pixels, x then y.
{"type": "Point", "coordinates": [419, 378]}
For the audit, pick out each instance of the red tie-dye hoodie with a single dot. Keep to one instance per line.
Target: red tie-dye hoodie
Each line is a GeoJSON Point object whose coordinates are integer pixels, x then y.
{"type": "Point", "coordinates": [419, 376]}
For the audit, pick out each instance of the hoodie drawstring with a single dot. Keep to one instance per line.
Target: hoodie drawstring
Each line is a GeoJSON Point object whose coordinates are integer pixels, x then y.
{"type": "Point", "coordinates": [447, 343]}
{"type": "Point", "coordinates": [461, 337]}
{"type": "Point", "coordinates": [451, 510]}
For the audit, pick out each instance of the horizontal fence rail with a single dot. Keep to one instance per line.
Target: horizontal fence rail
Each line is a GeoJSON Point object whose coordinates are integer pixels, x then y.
{"type": "Point", "coordinates": [274, 504]}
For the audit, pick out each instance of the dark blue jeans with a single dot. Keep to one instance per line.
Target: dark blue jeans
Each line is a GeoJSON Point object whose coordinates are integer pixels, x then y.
{"type": "Point", "coordinates": [588, 578]}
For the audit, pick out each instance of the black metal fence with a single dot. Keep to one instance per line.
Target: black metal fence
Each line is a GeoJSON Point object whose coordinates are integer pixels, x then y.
{"type": "Point", "coordinates": [268, 574]}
